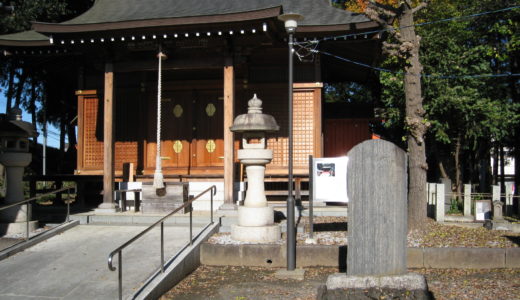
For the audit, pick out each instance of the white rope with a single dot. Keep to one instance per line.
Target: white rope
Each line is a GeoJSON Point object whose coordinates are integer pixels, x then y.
{"type": "Point", "coordinates": [158, 182]}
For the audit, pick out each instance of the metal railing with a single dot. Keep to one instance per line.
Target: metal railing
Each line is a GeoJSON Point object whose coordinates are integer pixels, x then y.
{"type": "Point", "coordinates": [27, 201]}
{"type": "Point", "coordinates": [119, 250]}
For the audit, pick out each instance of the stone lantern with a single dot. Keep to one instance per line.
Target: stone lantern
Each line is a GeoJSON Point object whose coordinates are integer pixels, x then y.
{"type": "Point", "coordinates": [15, 156]}
{"type": "Point", "coordinates": [255, 217]}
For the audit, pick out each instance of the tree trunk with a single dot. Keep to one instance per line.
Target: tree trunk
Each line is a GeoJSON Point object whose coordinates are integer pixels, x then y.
{"type": "Point", "coordinates": [10, 90]}
{"type": "Point", "coordinates": [514, 88]}
{"type": "Point", "coordinates": [21, 83]}
{"type": "Point", "coordinates": [32, 108]}
{"type": "Point", "coordinates": [417, 128]}
{"type": "Point", "coordinates": [62, 146]}
{"type": "Point", "coordinates": [458, 177]}
{"type": "Point", "coordinates": [495, 165]}
{"type": "Point", "coordinates": [502, 157]}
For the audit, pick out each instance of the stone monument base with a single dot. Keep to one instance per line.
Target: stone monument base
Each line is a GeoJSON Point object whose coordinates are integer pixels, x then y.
{"type": "Point", "coordinates": [407, 286]}
{"type": "Point", "coordinates": [17, 227]}
{"type": "Point", "coordinates": [411, 281]}
{"type": "Point", "coordinates": [164, 200]}
{"type": "Point", "coordinates": [256, 234]}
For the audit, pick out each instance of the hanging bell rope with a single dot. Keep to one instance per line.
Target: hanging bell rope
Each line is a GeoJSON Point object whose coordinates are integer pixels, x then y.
{"type": "Point", "coordinates": [158, 180]}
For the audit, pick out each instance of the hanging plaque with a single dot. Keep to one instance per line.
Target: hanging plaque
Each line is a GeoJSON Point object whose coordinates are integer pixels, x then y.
{"type": "Point", "coordinates": [177, 111]}
{"type": "Point", "coordinates": [211, 146]}
{"type": "Point", "coordinates": [177, 146]}
{"type": "Point", "coordinates": [211, 109]}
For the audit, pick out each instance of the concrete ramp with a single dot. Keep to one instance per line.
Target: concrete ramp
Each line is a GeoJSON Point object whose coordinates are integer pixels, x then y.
{"type": "Point", "coordinates": [73, 265]}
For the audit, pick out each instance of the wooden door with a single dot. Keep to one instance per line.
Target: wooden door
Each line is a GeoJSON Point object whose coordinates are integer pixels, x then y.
{"type": "Point", "coordinates": [176, 130]}
{"type": "Point", "coordinates": [192, 136]}
{"type": "Point", "coordinates": [208, 135]}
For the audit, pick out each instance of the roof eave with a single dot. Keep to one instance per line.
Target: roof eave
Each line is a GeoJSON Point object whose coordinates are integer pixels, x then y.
{"type": "Point", "coordinates": [210, 19]}
{"type": "Point", "coordinates": [14, 43]}
{"type": "Point", "coordinates": [337, 27]}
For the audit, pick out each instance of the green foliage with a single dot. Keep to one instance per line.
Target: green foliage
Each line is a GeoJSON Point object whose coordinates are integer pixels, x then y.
{"type": "Point", "coordinates": [26, 11]}
{"type": "Point", "coordinates": [455, 206]}
{"type": "Point", "coordinates": [350, 92]}
{"type": "Point", "coordinates": [469, 110]}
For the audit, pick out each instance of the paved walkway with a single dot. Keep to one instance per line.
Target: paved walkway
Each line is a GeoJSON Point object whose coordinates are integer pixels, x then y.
{"type": "Point", "coordinates": [73, 265]}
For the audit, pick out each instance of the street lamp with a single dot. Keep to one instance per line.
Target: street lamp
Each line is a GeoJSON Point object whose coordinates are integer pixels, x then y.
{"type": "Point", "coordinates": [291, 23]}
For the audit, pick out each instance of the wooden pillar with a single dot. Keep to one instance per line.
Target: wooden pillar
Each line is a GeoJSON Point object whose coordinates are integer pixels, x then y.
{"type": "Point", "coordinates": [108, 140]}
{"type": "Point", "coordinates": [229, 103]}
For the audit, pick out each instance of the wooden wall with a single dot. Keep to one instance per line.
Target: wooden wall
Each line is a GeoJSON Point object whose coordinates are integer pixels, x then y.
{"type": "Point", "coordinates": [341, 135]}
{"type": "Point", "coordinates": [135, 133]}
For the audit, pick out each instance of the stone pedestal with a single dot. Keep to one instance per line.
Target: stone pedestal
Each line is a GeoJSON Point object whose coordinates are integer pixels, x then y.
{"type": "Point", "coordinates": [255, 217]}
{"type": "Point", "coordinates": [497, 210]}
{"type": "Point", "coordinates": [13, 220]}
{"type": "Point", "coordinates": [176, 193]}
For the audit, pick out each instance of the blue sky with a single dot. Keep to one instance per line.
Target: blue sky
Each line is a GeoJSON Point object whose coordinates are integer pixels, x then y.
{"type": "Point", "coordinates": [53, 138]}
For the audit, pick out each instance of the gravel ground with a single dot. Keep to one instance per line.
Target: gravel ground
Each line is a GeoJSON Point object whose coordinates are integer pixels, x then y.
{"type": "Point", "coordinates": [251, 283]}
{"type": "Point", "coordinates": [248, 283]}
{"type": "Point", "coordinates": [333, 231]}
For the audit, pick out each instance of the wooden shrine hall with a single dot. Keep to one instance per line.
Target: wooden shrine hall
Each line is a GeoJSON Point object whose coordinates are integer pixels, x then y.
{"type": "Point", "coordinates": [217, 55]}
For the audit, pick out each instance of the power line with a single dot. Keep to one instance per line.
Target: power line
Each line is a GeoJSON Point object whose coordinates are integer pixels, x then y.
{"type": "Point", "coordinates": [345, 36]}
{"type": "Point", "coordinates": [420, 75]}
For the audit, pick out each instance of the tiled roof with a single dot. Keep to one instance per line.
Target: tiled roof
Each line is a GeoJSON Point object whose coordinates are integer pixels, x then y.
{"type": "Point", "coordinates": [316, 12]}
{"type": "Point", "coordinates": [319, 16]}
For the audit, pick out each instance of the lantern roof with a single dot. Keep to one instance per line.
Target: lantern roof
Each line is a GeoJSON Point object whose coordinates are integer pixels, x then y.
{"type": "Point", "coordinates": [12, 125]}
{"type": "Point", "coordinates": [254, 120]}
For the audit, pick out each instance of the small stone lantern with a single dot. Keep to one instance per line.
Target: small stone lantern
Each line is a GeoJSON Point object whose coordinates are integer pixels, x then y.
{"type": "Point", "coordinates": [15, 156]}
{"type": "Point", "coordinates": [255, 217]}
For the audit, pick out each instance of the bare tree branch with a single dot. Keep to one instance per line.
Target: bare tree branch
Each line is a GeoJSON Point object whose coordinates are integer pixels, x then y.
{"type": "Point", "coordinates": [387, 9]}
{"type": "Point", "coordinates": [419, 7]}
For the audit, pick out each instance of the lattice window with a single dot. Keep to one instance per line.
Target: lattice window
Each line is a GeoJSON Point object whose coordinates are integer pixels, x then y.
{"type": "Point", "coordinates": [125, 152]}
{"type": "Point", "coordinates": [303, 127]}
{"type": "Point", "coordinates": [92, 147]}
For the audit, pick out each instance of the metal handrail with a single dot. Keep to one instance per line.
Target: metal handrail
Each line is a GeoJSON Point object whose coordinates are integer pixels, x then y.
{"type": "Point", "coordinates": [26, 201]}
{"type": "Point", "coordinates": [119, 250]}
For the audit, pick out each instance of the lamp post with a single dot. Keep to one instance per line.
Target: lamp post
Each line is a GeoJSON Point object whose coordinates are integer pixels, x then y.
{"type": "Point", "coordinates": [291, 23]}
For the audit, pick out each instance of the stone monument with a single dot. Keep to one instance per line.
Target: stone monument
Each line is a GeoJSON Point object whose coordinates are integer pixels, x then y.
{"type": "Point", "coordinates": [377, 221]}
{"type": "Point", "coordinates": [15, 156]}
{"type": "Point", "coordinates": [255, 217]}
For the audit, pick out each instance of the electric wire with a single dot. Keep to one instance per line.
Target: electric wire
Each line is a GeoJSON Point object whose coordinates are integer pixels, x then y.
{"type": "Point", "coordinates": [304, 50]}
{"type": "Point", "coordinates": [509, 74]}
{"type": "Point", "coordinates": [345, 36]}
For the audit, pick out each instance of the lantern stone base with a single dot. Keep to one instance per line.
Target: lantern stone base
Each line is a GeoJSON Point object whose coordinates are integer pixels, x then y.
{"type": "Point", "coordinates": [255, 216]}
{"type": "Point", "coordinates": [256, 234]}
{"type": "Point", "coordinates": [17, 227]}
{"type": "Point", "coordinates": [255, 224]}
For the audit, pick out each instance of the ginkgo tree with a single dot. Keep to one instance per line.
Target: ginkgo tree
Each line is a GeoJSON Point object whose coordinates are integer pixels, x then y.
{"type": "Point", "coordinates": [396, 17]}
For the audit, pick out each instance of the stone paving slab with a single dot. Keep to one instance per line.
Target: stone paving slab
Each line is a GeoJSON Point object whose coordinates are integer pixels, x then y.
{"type": "Point", "coordinates": [73, 265]}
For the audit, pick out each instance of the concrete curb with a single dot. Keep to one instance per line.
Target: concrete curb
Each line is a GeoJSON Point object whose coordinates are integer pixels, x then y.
{"type": "Point", "coordinates": [37, 239]}
{"type": "Point", "coordinates": [183, 264]}
{"type": "Point", "coordinates": [271, 255]}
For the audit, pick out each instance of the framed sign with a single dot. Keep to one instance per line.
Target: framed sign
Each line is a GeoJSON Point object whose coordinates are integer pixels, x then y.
{"type": "Point", "coordinates": [482, 210]}
{"type": "Point", "coordinates": [330, 179]}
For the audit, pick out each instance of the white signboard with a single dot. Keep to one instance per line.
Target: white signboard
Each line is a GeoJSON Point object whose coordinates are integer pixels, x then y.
{"type": "Point", "coordinates": [482, 210]}
{"type": "Point", "coordinates": [330, 179]}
